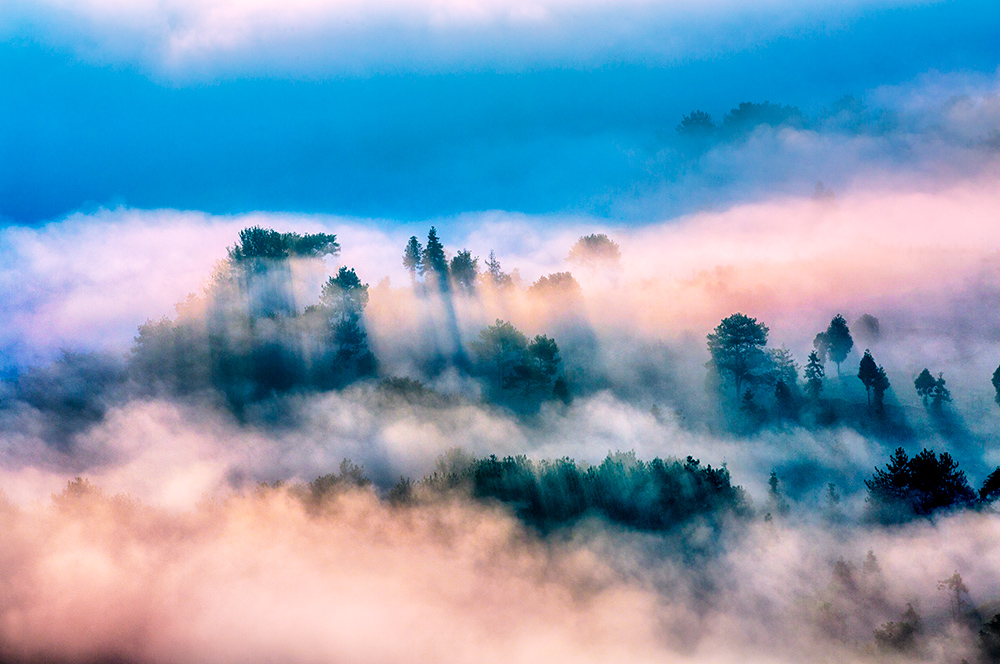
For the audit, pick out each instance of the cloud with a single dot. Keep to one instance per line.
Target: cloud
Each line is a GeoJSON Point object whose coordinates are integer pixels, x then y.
{"type": "Point", "coordinates": [190, 35]}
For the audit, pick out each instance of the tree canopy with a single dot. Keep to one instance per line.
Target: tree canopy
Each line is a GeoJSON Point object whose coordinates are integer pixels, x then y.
{"type": "Point", "coordinates": [595, 250]}
{"type": "Point", "coordinates": [737, 349]}
{"type": "Point", "coordinates": [257, 242]}
{"type": "Point", "coordinates": [917, 487]}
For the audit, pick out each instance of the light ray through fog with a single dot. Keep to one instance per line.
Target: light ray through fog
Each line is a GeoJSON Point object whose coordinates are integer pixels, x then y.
{"type": "Point", "coordinates": [225, 437]}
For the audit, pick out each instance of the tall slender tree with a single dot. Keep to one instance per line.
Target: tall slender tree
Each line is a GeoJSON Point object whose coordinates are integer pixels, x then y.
{"type": "Point", "coordinates": [413, 258]}
{"type": "Point", "coordinates": [814, 374]}
{"type": "Point", "coordinates": [434, 260]}
{"type": "Point", "coordinates": [838, 338]}
{"type": "Point", "coordinates": [868, 374]}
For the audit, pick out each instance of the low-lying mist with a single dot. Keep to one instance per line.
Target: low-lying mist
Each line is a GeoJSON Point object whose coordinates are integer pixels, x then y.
{"type": "Point", "coordinates": [520, 445]}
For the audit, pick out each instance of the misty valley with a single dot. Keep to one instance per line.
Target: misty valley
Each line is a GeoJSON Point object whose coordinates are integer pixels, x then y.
{"type": "Point", "coordinates": [495, 469]}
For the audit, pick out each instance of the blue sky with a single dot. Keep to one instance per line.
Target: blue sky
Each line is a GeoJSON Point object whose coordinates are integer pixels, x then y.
{"type": "Point", "coordinates": [398, 111]}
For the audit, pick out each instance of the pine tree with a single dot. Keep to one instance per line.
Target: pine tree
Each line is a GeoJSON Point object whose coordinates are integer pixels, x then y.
{"type": "Point", "coordinates": [814, 374]}
{"type": "Point", "coordinates": [413, 258]}
{"type": "Point", "coordinates": [434, 260]}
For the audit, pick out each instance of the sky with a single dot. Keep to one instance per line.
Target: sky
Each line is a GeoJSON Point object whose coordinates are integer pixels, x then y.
{"type": "Point", "coordinates": [417, 110]}
{"type": "Point", "coordinates": [137, 137]}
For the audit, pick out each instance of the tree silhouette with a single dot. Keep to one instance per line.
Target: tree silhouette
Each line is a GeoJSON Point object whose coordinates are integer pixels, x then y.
{"type": "Point", "coordinates": [996, 384]}
{"type": "Point", "coordinates": [256, 242]}
{"type": "Point", "coordinates": [593, 251]}
{"type": "Point", "coordinates": [413, 258]}
{"type": "Point", "coordinates": [838, 340]}
{"type": "Point", "coordinates": [932, 389]}
{"type": "Point", "coordinates": [990, 490]}
{"type": "Point", "coordinates": [822, 345]}
{"type": "Point", "coordinates": [918, 486]}
{"type": "Point", "coordinates": [557, 283]}
{"type": "Point", "coordinates": [879, 386]}
{"type": "Point", "coordinates": [464, 270]}
{"type": "Point", "coordinates": [925, 384]}
{"type": "Point", "coordinates": [737, 349]}
{"type": "Point", "coordinates": [874, 379]}
{"type": "Point", "coordinates": [433, 260]}
{"type": "Point", "coordinates": [503, 346]}
{"type": "Point", "coordinates": [696, 124]}
{"type": "Point", "coordinates": [495, 274]}
{"type": "Point", "coordinates": [344, 299]}
{"type": "Point", "coordinates": [989, 640]}
{"type": "Point", "coordinates": [868, 328]}
{"type": "Point", "coordinates": [814, 374]}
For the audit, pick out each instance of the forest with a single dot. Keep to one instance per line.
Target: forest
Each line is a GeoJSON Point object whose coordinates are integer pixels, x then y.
{"type": "Point", "coordinates": [277, 333]}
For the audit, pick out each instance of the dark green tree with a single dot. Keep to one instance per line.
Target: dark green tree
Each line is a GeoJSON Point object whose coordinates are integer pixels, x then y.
{"type": "Point", "coordinates": [989, 641]}
{"type": "Point", "coordinates": [434, 261]}
{"type": "Point", "coordinates": [344, 299]}
{"type": "Point", "coordinates": [503, 347]}
{"type": "Point", "coordinates": [413, 258]}
{"type": "Point", "coordinates": [879, 387]}
{"type": "Point", "coordinates": [940, 394]}
{"type": "Point", "coordinates": [256, 242]}
{"type": "Point", "coordinates": [464, 270]}
{"type": "Point", "coordinates": [925, 384]}
{"type": "Point", "coordinates": [917, 487]}
{"type": "Point", "coordinates": [839, 341]}
{"type": "Point", "coordinates": [872, 377]}
{"type": "Point", "coordinates": [542, 361]}
{"type": "Point", "coordinates": [990, 490]}
{"type": "Point", "coordinates": [814, 375]}
{"type": "Point", "coordinates": [737, 349]}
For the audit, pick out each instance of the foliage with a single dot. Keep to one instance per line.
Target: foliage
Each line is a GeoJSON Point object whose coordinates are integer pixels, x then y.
{"type": "Point", "coordinates": [932, 390]}
{"type": "Point", "coordinates": [989, 640]}
{"type": "Point", "coordinates": [696, 124]}
{"type": "Point", "coordinates": [557, 283]}
{"type": "Point", "coordinates": [257, 243]}
{"type": "Point", "coordinates": [495, 274]}
{"type": "Point", "coordinates": [838, 340]}
{"type": "Point", "coordinates": [343, 301]}
{"type": "Point", "coordinates": [814, 374]}
{"type": "Point", "coordinates": [349, 476]}
{"type": "Point", "coordinates": [917, 487]}
{"type": "Point", "coordinates": [996, 383]}
{"type": "Point", "coordinates": [518, 364]}
{"type": "Point", "coordinates": [433, 260]}
{"type": "Point", "coordinates": [503, 346]}
{"type": "Point", "coordinates": [233, 339]}
{"type": "Point", "coordinates": [899, 636]}
{"type": "Point", "coordinates": [874, 379]}
{"type": "Point", "coordinates": [655, 496]}
{"type": "Point", "coordinates": [413, 259]}
{"type": "Point", "coordinates": [595, 250]}
{"type": "Point", "coordinates": [990, 490]}
{"type": "Point", "coordinates": [749, 115]}
{"type": "Point", "coordinates": [737, 349]}
{"type": "Point", "coordinates": [465, 270]}
{"type": "Point", "coordinates": [868, 328]}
